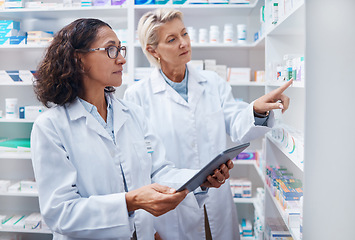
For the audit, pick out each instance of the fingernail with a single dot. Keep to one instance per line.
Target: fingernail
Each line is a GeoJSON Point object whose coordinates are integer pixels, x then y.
{"type": "Point", "coordinates": [172, 190]}
{"type": "Point", "coordinates": [281, 106]}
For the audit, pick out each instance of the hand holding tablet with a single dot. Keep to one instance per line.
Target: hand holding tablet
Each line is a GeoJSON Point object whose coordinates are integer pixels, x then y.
{"type": "Point", "coordinates": [210, 169]}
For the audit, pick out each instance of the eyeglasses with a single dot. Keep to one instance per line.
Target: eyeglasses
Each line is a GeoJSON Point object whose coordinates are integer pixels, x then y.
{"type": "Point", "coordinates": [112, 51]}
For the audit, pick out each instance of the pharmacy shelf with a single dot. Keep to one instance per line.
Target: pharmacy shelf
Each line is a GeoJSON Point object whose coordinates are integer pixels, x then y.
{"type": "Point", "coordinates": [17, 120]}
{"type": "Point", "coordinates": [125, 79]}
{"type": "Point", "coordinates": [295, 232]}
{"type": "Point", "coordinates": [249, 84]}
{"type": "Point", "coordinates": [292, 158]}
{"type": "Point", "coordinates": [19, 194]}
{"type": "Point", "coordinates": [247, 238]}
{"type": "Point", "coordinates": [244, 200]}
{"type": "Point", "coordinates": [219, 45]}
{"type": "Point", "coordinates": [199, 6]}
{"type": "Point", "coordinates": [245, 9]}
{"type": "Point", "coordinates": [17, 84]}
{"type": "Point", "coordinates": [295, 84]}
{"type": "Point", "coordinates": [118, 12]}
{"type": "Point", "coordinates": [295, 18]}
{"type": "Point", "coordinates": [15, 155]}
{"type": "Point", "coordinates": [25, 46]}
{"type": "Point", "coordinates": [21, 230]}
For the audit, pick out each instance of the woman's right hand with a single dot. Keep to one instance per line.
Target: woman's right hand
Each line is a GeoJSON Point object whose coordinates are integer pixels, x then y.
{"type": "Point", "coordinates": [154, 198]}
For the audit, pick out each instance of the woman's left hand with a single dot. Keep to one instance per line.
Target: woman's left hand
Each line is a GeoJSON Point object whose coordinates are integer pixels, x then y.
{"type": "Point", "coordinates": [219, 176]}
{"type": "Point", "coordinates": [273, 100]}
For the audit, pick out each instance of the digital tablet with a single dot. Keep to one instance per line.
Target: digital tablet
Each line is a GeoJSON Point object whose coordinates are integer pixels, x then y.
{"type": "Point", "coordinates": [201, 176]}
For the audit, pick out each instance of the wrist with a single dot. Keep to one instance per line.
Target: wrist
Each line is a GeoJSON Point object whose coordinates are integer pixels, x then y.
{"type": "Point", "coordinates": [131, 201]}
{"type": "Point", "coordinates": [261, 115]}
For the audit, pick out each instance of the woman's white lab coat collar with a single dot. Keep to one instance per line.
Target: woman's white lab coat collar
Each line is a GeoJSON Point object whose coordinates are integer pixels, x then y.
{"type": "Point", "coordinates": [158, 80]}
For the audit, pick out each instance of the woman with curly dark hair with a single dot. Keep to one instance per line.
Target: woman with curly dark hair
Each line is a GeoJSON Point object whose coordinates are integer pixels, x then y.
{"type": "Point", "coordinates": [95, 156]}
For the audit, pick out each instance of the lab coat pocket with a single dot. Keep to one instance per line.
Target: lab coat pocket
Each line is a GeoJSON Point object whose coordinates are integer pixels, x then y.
{"type": "Point", "coordinates": [216, 130]}
{"type": "Point", "coordinates": [144, 159]}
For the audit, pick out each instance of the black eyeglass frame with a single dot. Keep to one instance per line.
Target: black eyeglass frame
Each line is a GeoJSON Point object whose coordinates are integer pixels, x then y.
{"type": "Point", "coordinates": [107, 49]}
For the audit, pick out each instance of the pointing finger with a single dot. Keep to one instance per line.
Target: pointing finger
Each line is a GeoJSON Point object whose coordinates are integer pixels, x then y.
{"type": "Point", "coordinates": [283, 87]}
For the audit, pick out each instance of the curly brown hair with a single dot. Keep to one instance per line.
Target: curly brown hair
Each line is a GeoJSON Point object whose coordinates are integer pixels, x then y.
{"type": "Point", "coordinates": [60, 74]}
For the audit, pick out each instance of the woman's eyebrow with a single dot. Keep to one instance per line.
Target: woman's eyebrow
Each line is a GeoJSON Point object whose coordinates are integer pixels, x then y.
{"type": "Point", "coordinates": [112, 42]}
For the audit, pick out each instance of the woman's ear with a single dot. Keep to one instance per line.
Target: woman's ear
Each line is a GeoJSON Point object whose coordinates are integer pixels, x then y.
{"type": "Point", "coordinates": [152, 51]}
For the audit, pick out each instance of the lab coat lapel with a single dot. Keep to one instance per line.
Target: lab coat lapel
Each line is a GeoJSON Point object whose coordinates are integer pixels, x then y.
{"type": "Point", "coordinates": [119, 115]}
{"type": "Point", "coordinates": [160, 85]}
{"type": "Point", "coordinates": [76, 110]}
{"type": "Point", "coordinates": [195, 87]}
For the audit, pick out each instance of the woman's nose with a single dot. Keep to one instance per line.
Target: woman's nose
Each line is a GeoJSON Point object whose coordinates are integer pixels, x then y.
{"type": "Point", "coordinates": [120, 59]}
{"type": "Point", "coordinates": [183, 42]}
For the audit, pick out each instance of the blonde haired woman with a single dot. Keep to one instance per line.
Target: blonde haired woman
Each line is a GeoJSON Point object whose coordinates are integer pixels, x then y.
{"type": "Point", "coordinates": [192, 111]}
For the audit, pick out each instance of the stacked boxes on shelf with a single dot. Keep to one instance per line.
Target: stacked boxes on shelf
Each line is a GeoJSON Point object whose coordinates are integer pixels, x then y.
{"type": "Point", "coordinates": [9, 33]}
{"type": "Point", "coordinates": [259, 214]}
{"type": "Point", "coordinates": [246, 228]}
{"type": "Point", "coordinates": [287, 191]}
{"type": "Point", "coordinates": [241, 188]}
{"type": "Point", "coordinates": [276, 230]}
{"type": "Point", "coordinates": [162, 2]}
{"type": "Point", "coordinates": [18, 145]}
{"type": "Point", "coordinates": [20, 221]}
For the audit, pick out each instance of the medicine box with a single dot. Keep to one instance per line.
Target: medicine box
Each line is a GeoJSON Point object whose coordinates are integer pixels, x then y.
{"type": "Point", "coordinates": [4, 77]}
{"type": "Point", "coordinates": [14, 75]}
{"type": "Point", "coordinates": [14, 188]}
{"type": "Point", "coordinates": [221, 70]}
{"type": "Point", "coordinates": [179, 1]}
{"type": "Point", "coordinates": [18, 40]}
{"type": "Point", "coordinates": [8, 33]}
{"type": "Point", "coordinates": [236, 188]}
{"type": "Point", "coordinates": [39, 41]}
{"type": "Point", "coordinates": [30, 112]}
{"type": "Point", "coordinates": [4, 40]}
{"type": "Point", "coordinates": [248, 156]}
{"type": "Point", "coordinates": [162, 2]}
{"type": "Point", "coordinates": [144, 2]}
{"type": "Point", "coordinates": [16, 221]}
{"type": "Point", "coordinates": [15, 145]}
{"type": "Point", "coordinates": [10, 4]}
{"type": "Point", "coordinates": [238, 75]}
{"type": "Point", "coordinates": [26, 76]}
{"type": "Point", "coordinates": [239, 1]}
{"type": "Point", "coordinates": [4, 184]}
{"type": "Point", "coordinates": [101, 2]}
{"type": "Point", "coordinates": [9, 24]}
{"type": "Point", "coordinates": [39, 34]}
{"type": "Point", "coordinates": [28, 186]}
{"type": "Point", "coordinates": [33, 221]}
{"type": "Point", "coordinates": [247, 228]}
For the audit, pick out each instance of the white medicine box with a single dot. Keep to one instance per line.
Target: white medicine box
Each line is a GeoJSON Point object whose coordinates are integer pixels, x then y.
{"type": "Point", "coordinates": [238, 75]}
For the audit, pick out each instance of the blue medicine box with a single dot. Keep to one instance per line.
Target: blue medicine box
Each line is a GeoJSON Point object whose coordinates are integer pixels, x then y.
{"type": "Point", "coordinates": [144, 2]}
{"type": "Point", "coordinates": [4, 40]}
{"type": "Point", "coordinates": [9, 24]}
{"type": "Point", "coordinates": [19, 40]}
{"type": "Point", "coordinates": [8, 32]}
{"type": "Point", "coordinates": [14, 75]}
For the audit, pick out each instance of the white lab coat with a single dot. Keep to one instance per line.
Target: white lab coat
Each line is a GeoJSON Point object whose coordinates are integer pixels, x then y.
{"type": "Point", "coordinates": [77, 169]}
{"type": "Point", "coordinates": [193, 133]}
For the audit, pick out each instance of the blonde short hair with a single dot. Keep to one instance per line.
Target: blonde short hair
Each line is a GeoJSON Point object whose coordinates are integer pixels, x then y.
{"type": "Point", "coordinates": [148, 27]}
